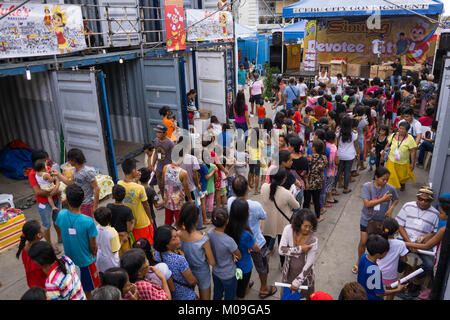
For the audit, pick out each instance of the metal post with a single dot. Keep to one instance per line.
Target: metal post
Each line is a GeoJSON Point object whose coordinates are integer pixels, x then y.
{"type": "Point", "coordinates": [282, 49]}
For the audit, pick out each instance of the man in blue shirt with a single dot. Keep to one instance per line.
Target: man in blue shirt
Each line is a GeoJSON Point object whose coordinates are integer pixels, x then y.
{"type": "Point", "coordinates": [260, 259]}
{"type": "Point", "coordinates": [402, 45]}
{"type": "Point", "coordinates": [242, 78]}
{"type": "Point", "coordinates": [290, 93]}
{"type": "Point", "coordinates": [79, 234]}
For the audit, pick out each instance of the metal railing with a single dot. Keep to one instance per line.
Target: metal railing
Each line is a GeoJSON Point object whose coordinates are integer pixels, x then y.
{"type": "Point", "coordinates": [109, 26]}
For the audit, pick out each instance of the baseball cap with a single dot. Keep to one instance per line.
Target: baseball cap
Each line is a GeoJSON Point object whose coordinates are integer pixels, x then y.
{"type": "Point", "coordinates": [161, 128]}
{"type": "Point", "coordinates": [320, 295]}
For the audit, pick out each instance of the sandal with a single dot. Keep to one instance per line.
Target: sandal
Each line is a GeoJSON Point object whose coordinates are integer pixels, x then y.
{"type": "Point", "coordinates": [347, 191]}
{"type": "Point", "coordinates": [355, 269]}
{"type": "Point", "coordinates": [334, 201]}
{"type": "Point", "coordinates": [328, 204]}
{"type": "Point", "coordinates": [320, 219]}
{"type": "Point", "coordinates": [251, 283]}
{"type": "Point", "coordinates": [272, 291]}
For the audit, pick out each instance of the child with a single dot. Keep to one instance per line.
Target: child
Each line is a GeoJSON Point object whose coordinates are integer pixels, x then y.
{"type": "Point", "coordinates": [311, 100]}
{"type": "Point", "coordinates": [317, 163]}
{"type": "Point", "coordinates": [308, 122]}
{"type": "Point", "coordinates": [210, 190]}
{"type": "Point", "coordinates": [32, 232]}
{"type": "Point", "coordinates": [261, 113]}
{"type": "Point", "coordinates": [238, 229]}
{"type": "Point", "coordinates": [151, 276]}
{"type": "Point", "coordinates": [329, 102]}
{"type": "Point", "coordinates": [172, 126]}
{"type": "Point", "coordinates": [256, 146]}
{"type": "Point", "coordinates": [296, 117]}
{"type": "Point", "coordinates": [372, 159]}
{"type": "Point", "coordinates": [122, 218]}
{"type": "Point", "coordinates": [380, 143]}
{"type": "Point", "coordinates": [369, 273]}
{"type": "Point", "coordinates": [148, 150]}
{"type": "Point", "coordinates": [340, 107]}
{"type": "Point", "coordinates": [152, 196]}
{"type": "Point", "coordinates": [108, 243]}
{"type": "Point", "coordinates": [397, 249]}
{"type": "Point", "coordinates": [196, 248]}
{"type": "Point", "coordinates": [226, 252]}
{"type": "Point", "coordinates": [389, 109]}
{"type": "Point", "coordinates": [203, 172]}
{"type": "Point", "coordinates": [303, 88]}
{"type": "Point", "coordinates": [215, 127]}
{"type": "Point", "coordinates": [136, 200]}
{"type": "Point", "coordinates": [46, 181]}
{"type": "Point", "coordinates": [333, 161]}
{"type": "Point", "coordinates": [333, 95]}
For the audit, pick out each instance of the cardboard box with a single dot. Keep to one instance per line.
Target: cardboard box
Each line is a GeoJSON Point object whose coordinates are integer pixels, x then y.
{"type": "Point", "coordinates": [10, 232]}
{"type": "Point", "coordinates": [384, 74]}
{"type": "Point", "coordinates": [338, 66]}
{"type": "Point", "coordinates": [353, 70]}
{"type": "Point", "coordinates": [205, 114]}
{"type": "Point", "coordinates": [374, 71]}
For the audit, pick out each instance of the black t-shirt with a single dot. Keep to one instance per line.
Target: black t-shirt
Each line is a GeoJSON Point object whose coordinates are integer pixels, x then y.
{"type": "Point", "coordinates": [290, 180]}
{"type": "Point", "coordinates": [152, 198]}
{"type": "Point", "coordinates": [398, 69]}
{"type": "Point", "coordinates": [300, 164]}
{"type": "Point", "coordinates": [120, 216]}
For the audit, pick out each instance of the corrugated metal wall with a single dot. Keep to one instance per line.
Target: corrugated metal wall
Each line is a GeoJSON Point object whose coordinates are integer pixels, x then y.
{"type": "Point", "coordinates": [125, 100]}
{"type": "Point", "coordinates": [28, 112]}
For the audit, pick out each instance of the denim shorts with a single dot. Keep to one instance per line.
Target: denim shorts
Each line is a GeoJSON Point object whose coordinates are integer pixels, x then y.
{"type": "Point", "coordinates": [47, 214]}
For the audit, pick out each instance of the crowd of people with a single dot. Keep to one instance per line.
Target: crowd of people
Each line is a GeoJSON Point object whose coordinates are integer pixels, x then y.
{"type": "Point", "coordinates": [213, 235]}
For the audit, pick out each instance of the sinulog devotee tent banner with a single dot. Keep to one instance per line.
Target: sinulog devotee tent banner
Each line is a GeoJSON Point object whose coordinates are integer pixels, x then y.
{"type": "Point", "coordinates": [39, 30]}
{"type": "Point", "coordinates": [216, 26]}
{"type": "Point", "coordinates": [346, 28]}
{"type": "Point", "coordinates": [345, 38]}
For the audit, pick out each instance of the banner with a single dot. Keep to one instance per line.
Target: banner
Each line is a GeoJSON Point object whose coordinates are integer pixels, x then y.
{"type": "Point", "coordinates": [410, 38]}
{"type": "Point", "coordinates": [174, 21]}
{"type": "Point", "coordinates": [214, 27]}
{"type": "Point", "coordinates": [39, 30]}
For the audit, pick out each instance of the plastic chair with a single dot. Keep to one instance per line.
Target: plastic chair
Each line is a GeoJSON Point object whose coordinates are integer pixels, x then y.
{"type": "Point", "coordinates": [6, 198]}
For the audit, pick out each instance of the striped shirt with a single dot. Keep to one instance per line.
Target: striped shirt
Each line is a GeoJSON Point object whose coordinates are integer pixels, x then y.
{"type": "Point", "coordinates": [417, 222]}
{"type": "Point", "coordinates": [62, 286]}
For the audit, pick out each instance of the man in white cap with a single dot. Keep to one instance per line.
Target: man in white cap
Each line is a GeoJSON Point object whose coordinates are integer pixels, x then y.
{"type": "Point", "coordinates": [418, 222]}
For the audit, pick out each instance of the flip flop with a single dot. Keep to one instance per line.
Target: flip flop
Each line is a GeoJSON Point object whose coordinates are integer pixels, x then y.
{"type": "Point", "coordinates": [349, 190]}
{"type": "Point", "coordinates": [270, 293]}
{"type": "Point", "coordinates": [250, 284]}
{"type": "Point", "coordinates": [334, 201]}
{"type": "Point", "coordinates": [355, 269]}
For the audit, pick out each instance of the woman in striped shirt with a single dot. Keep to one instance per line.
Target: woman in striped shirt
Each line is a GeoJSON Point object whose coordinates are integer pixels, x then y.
{"type": "Point", "coordinates": [62, 281]}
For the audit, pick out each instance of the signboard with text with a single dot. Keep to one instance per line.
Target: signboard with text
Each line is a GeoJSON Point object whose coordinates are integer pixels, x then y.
{"type": "Point", "coordinates": [39, 30]}
{"type": "Point", "coordinates": [175, 27]}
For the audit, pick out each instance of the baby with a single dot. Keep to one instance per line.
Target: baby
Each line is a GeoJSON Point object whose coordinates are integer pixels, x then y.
{"type": "Point", "coordinates": [46, 181]}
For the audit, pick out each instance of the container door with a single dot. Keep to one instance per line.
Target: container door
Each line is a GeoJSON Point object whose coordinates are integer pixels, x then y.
{"type": "Point", "coordinates": [80, 98]}
{"type": "Point", "coordinates": [211, 83]}
{"type": "Point", "coordinates": [161, 80]}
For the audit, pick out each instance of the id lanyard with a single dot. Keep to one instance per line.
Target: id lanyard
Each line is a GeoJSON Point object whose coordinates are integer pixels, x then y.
{"type": "Point", "coordinates": [71, 229]}
{"type": "Point", "coordinates": [400, 143]}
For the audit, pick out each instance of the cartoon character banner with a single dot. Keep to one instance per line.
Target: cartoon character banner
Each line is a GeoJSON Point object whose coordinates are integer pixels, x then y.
{"type": "Point", "coordinates": [217, 26]}
{"type": "Point", "coordinates": [410, 38]}
{"type": "Point", "coordinates": [175, 30]}
{"type": "Point", "coordinates": [39, 30]}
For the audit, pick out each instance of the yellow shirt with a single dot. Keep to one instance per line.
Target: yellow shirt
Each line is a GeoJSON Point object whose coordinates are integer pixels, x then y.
{"type": "Point", "coordinates": [115, 241]}
{"type": "Point", "coordinates": [134, 196]}
{"type": "Point", "coordinates": [255, 153]}
{"type": "Point", "coordinates": [404, 146]}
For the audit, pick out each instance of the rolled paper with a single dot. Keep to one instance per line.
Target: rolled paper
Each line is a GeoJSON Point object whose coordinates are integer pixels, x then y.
{"type": "Point", "coordinates": [409, 276]}
{"type": "Point", "coordinates": [287, 285]}
{"type": "Point", "coordinates": [430, 253]}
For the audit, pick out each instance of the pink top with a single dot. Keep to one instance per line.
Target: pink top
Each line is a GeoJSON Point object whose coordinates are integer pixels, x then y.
{"type": "Point", "coordinates": [389, 105]}
{"type": "Point", "coordinates": [311, 101]}
{"type": "Point", "coordinates": [256, 87]}
{"type": "Point", "coordinates": [331, 170]}
{"type": "Point", "coordinates": [240, 119]}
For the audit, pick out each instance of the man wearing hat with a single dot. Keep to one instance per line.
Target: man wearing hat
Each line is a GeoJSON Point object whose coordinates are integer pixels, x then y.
{"type": "Point", "coordinates": [418, 221]}
{"type": "Point", "coordinates": [162, 154]}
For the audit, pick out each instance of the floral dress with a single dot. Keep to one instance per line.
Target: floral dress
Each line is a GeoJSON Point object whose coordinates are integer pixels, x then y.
{"type": "Point", "coordinates": [317, 164]}
{"type": "Point", "coordinates": [174, 189]}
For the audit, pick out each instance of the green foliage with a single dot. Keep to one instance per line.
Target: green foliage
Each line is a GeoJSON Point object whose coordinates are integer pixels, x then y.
{"type": "Point", "coordinates": [269, 82]}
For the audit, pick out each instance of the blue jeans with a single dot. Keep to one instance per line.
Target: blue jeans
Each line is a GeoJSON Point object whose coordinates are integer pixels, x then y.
{"type": "Point", "coordinates": [424, 146]}
{"type": "Point", "coordinates": [323, 193]}
{"type": "Point", "coordinates": [361, 149]}
{"type": "Point", "coordinates": [228, 287]}
{"type": "Point", "coordinates": [393, 82]}
{"type": "Point", "coordinates": [47, 214]}
{"type": "Point", "coordinates": [299, 198]}
{"type": "Point", "coordinates": [427, 265]}
{"type": "Point", "coordinates": [243, 126]}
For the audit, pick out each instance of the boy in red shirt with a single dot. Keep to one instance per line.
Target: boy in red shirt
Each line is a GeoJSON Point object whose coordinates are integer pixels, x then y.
{"type": "Point", "coordinates": [320, 110]}
{"type": "Point", "coordinates": [329, 100]}
{"type": "Point", "coordinates": [261, 112]}
{"type": "Point", "coordinates": [295, 114]}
